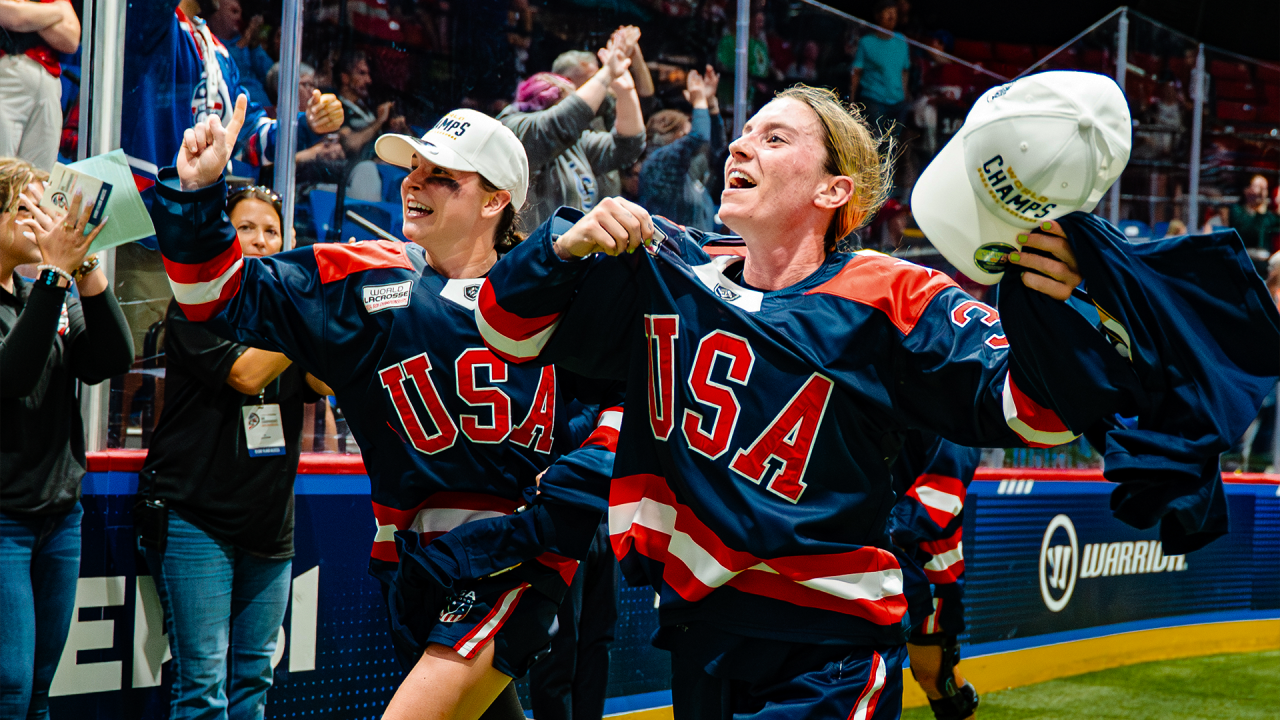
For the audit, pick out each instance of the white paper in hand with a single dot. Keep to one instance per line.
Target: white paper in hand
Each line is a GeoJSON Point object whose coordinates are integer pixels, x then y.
{"type": "Point", "coordinates": [128, 219]}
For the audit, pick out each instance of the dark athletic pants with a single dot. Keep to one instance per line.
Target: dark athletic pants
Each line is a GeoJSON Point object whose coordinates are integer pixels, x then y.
{"type": "Point", "coordinates": [569, 684]}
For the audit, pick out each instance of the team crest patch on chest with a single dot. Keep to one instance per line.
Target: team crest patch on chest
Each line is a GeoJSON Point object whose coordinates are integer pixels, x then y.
{"type": "Point", "coordinates": [463, 292]}
{"type": "Point", "coordinates": [384, 297]}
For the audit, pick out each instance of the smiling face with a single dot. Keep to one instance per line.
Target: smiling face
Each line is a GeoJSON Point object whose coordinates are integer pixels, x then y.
{"type": "Point", "coordinates": [775, 172]}
{"type": "Point", "coordinates": [257, 227]}
{"type": "Point", "coordinates": [443, 205]}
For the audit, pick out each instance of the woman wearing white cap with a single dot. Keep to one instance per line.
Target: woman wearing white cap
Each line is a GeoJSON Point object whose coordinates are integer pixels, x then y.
{"type": "Point", "coordinates": [454, 440]}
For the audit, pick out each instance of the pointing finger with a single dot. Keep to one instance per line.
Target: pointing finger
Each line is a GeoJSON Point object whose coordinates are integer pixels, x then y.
{"type": "Point", "coordinates": [237, 117]}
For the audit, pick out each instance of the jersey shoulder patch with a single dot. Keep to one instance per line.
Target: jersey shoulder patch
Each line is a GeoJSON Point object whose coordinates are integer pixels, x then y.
{"type": "Point", "coordinates": [336, 261]}
{"type": "Point", "coordinates": [898, 288]}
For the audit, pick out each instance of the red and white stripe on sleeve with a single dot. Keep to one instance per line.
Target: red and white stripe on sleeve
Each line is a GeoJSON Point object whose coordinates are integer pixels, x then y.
{"type": "Point", "coordinates": [1037, 426]}
{"type": "Point", "coordinates": [203, 289]}
{"type": "Point", "coordinates": [513, 338]}
{"type": "Point", "coordinates": [947, 564]}
{"type": "Point", "coordinates": [942, 497]}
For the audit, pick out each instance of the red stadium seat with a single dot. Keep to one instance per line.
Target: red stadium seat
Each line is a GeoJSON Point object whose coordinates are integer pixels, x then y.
{"type": "Point", "coordinates": [1020, 55]}
{"type": "Point", "coordinates": [1236, 90]}
{"type": "Point", "coordinates": [1225, 70]}
{"type": "Point", "coordinates": [1267, 73]}
{"type": "Point", "coordinates": [1096, 60]}
{"type": "Point", "coordinates": [1269, 113]}
{"type": "Point", "coordinates": [1181, 69]}
{"type": "Point", "coordinates": [953, 74]}
{"type": "Point", "coordinates": [1068, 59]}
{"type": "Point", "coordinates": [1271, 93]}
{"type": "Point", "coordinates": [973, 50]}
{"type": "Point", "coordinates": [1151, 64]}
{"type": "Point", "coordinates": [1008, 70]}
{"type": "Point", "coordinates": [1236, 111]}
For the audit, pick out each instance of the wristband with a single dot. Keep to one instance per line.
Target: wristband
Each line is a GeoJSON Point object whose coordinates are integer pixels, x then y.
{"type": "Point", "coordinates": [86, 267]}
{"type": "Point", "coordinates": [50, 275]}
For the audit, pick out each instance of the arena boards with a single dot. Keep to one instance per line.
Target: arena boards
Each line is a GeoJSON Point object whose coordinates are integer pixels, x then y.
{"type": "Point", "coordinates": [1057, 587]}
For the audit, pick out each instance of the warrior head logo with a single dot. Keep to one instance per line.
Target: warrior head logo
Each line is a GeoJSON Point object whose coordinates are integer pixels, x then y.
{"type": "Point", "coordinates": [1059, 563]}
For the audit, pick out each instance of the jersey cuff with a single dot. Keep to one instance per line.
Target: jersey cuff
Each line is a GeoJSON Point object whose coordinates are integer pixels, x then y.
{"type": "Point", "coordinates": [169, 187]}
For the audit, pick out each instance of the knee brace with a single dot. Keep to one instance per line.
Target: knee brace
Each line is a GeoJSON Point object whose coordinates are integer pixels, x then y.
{"type": "Point", "coordinates": [957, 703]}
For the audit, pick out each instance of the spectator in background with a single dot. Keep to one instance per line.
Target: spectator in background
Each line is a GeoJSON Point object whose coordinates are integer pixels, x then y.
{"type": "Point", "coordinates": [50, 341]}
{"type": "Point", "coordinates": [31, 35]}
{"type": "Point", "coordinates": [1176, 228]}
{"type": "Point", "coordinates": [1254, 219]}
{"type": "Point", "coordinates": [362, 124]}
{"type": "Point", "coordinates": [222, 489]}
{"type": "Point", "coordinates": [245, 49]}
{"type": "Point", "coordinates": [759, 67]}
{"type": "Point", "coordinates": [320, 159]}
{"type": "Point", "coordinates": [580, 66]}
{"type": "Point", "coordinates": [805, 68]}
{"type": "Point", "coordinates": [668, 185]}
{"type": "Point", "coordinates": [1218, 219]}
{"type": "Point", "coordinates": [881, 71]}
{"type": "Point", "coordinates": [551, 117]}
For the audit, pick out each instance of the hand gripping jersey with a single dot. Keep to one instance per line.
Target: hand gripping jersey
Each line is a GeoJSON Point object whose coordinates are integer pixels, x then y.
{"type": "Point", "coordinates": [452, 436]}
{"type": "Point", "coordinates": [931, 478]}
{"type": "Point", "coordinates": [166, 90]}
{"type": "Point", "coordinates": [752, 489]}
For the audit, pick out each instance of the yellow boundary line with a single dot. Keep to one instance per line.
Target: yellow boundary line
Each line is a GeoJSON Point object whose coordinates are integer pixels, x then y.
{"type": "Point", "coordinates": [1017, 668]}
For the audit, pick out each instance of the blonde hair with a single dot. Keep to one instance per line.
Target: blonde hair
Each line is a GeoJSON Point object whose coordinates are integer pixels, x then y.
{"type": "Point", "coordinates": [853, 150]}
{"type": "Point", "coordinates": [16, 174]}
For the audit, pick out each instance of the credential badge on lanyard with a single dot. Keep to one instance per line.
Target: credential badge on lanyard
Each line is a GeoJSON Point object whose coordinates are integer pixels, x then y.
{"type": "Point", "coordinates": [263, 429]}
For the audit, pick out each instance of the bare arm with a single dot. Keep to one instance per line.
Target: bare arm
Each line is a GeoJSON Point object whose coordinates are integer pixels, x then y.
{"type": "Point", "coordinates": [630, 120]}
{"type": "Point", "coordinates": [255, 369]}
{"type": "Point", "coordinates": [315, 384]}
{"type": "Point", "coordinates": [20, 16]}
{"type": "Point", "coordinates": [639, 70]}
{"type": "Point", "coordinates": [64, 35]}
{"type": "Point", "coordinates": [854, 78]}
{"type": "Point", "coordinates": [906, 92]}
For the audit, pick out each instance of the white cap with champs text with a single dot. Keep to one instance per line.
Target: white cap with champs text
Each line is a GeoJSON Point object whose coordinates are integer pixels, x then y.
{"type": "Point", "coordinates": [469, 141]}
{"type": "Point", "coordinates": [1032, 150]}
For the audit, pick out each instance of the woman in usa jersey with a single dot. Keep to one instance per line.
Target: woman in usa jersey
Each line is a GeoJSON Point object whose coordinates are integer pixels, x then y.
{"type": "Point", "coordinates": [483, 500]}
{"type": "Point", "coordinates": [768, 397]}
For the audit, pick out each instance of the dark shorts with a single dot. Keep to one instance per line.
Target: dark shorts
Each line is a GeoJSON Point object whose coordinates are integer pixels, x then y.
{"type": "Point", "coordinates": [505, 610]}
{"type": "Point", "coordinates": [717, 676]}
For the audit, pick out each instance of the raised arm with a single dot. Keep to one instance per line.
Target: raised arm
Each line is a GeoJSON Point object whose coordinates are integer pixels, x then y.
{"type": "Point", "coordinates": [279, 303]}
{"type": "Point", "coordinates": [546, 302]}
{"type": "Point", "coordinates": [548, 133]}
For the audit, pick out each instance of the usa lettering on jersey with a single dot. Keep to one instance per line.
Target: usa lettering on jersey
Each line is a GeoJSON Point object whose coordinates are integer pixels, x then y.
{"type": "Point", "coordinates": [426, 421]}
{"type": "Point", "coordinates": [778, 457]}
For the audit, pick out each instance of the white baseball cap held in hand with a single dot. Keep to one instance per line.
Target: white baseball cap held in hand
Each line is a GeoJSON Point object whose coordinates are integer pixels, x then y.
{"type": "Point", "coordinates": [1031, 150]}
{"type": "Point", "coordinates": [469, 141]}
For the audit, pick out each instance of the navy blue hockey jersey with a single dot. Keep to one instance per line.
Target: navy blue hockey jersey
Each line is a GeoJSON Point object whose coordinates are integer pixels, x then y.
{"type": "Point", "coordinates": [931, 478]}
{"type": "Point", "coordinates": [752, 488]}
{"type": "Point", "coordinates": [1180, 333]}
{"type": "Point", "coordinates": [452, 437]}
